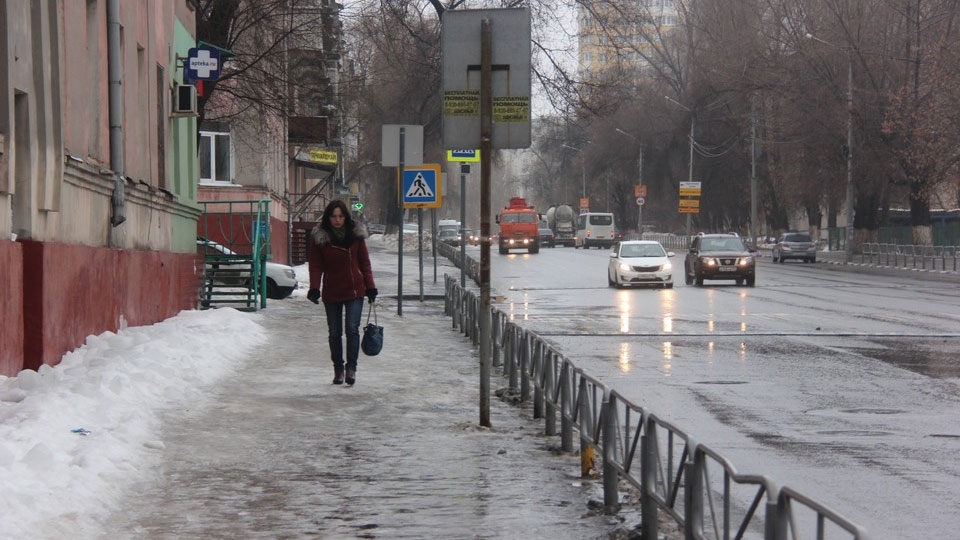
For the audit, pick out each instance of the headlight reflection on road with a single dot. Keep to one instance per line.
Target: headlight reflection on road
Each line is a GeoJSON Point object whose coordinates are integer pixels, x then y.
{"type": "Point", "coordinates": [667, 364]}
{"type": "Point", "coordinates": [624, 307]}
{"type": "Point", "coordinates": [668, 298]}
{"type": "Point", "coordinates": [525, 309]}
{"type": "Point", "coordinates": [667, 351]}
{"type": "Point", "coordinates": [625, 357]}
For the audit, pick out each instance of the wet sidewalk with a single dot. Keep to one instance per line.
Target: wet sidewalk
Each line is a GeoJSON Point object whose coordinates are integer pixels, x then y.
{"type": "Point", "coordinates": [283, 453]}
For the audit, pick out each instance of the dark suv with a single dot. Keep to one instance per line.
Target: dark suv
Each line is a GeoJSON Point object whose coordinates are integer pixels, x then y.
{"type": "Point", "coordinates": [719, 256]}
{"type": "Point", "coordinates": [795, 245]}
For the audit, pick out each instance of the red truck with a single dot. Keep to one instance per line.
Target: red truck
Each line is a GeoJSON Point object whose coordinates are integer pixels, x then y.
{"type": "Point", "coordinates": [519, 224]}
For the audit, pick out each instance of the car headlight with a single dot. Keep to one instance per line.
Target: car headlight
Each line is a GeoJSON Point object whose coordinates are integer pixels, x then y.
{"type": "Point", "coordinates": [624, 267]}
{"type": "Point", "coordinates": [666, 266]}
{"type": "Point", "coordinates": [746, 261]}
{"type": "Point", "coordinates": [708, 261]}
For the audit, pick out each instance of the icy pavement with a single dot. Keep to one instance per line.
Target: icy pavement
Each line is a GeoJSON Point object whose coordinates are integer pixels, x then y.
{"type": "Point", "coordinates": [280, 452]}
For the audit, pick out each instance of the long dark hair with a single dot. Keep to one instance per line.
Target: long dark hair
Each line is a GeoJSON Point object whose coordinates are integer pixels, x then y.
{"type": "Point", "coordinates": [348, 222]}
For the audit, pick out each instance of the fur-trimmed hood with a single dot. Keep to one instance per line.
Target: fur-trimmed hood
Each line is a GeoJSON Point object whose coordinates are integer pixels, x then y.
{"type": "Point", "coordinates": [321, 236]}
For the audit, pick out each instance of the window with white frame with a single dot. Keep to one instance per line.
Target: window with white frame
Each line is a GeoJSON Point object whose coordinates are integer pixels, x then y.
{"type": "Point", "coordinates": [215, 157]}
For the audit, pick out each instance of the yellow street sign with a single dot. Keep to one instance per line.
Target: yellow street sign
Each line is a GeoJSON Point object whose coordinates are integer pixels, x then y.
{"type": "Point", "coordinates": [323, 156]}
{"type": "Point", "coordinates": [689, 203]}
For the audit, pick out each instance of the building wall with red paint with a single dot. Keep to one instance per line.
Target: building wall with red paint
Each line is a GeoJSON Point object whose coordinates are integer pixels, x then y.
{"type": "Point", "coordinates": [71, 292]}
{"type": "Point", "coordinates": [11, 313]}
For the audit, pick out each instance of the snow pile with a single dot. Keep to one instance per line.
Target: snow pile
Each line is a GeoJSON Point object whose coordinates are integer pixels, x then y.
{"type": "Point", "coordinates": [71, 435]}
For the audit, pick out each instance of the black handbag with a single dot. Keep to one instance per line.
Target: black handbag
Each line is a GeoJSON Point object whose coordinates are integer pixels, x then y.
{"type": "Point", "coordinates": [372, 342]}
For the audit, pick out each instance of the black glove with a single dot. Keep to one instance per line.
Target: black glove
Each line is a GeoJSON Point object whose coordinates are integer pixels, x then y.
{"type": "Point", "coordinates": [313, 295]}
{"type": "Point", "coordinates": [372, 294]}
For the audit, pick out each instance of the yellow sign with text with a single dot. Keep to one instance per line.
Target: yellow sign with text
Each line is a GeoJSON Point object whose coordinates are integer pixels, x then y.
{"type": "Point", "coordinates": [323, 156]}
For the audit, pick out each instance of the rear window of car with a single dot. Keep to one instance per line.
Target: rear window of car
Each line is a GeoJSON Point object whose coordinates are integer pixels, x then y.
{"type": "Point", "coordinates": [800, 237]}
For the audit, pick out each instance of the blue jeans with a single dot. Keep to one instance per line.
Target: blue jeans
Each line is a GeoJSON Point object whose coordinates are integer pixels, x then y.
{"type": "Point", "coordinates": [335, 318]}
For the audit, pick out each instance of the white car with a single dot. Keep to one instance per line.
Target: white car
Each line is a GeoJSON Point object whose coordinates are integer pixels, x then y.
{"type": "Point", "coordinates": [281, 279]}
{"type": "Point", "coordinates": [640, 262]}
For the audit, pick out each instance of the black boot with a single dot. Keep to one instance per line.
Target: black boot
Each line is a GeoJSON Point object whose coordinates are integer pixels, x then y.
{"type": "Point", "coordinates": [338, 375]}
{"type": "Point", "coordinates": [351, 377]}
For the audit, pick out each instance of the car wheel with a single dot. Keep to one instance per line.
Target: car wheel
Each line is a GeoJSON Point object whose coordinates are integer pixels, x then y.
{"type": "Point", "coordinates": [610, 282]}
{"type": "Point", "coordinates": [273, 292]}
{"type": "Point", "coordinates": [739, 282]}
{"type": "Point", "coordinates": [751, 281]}
{"type": "Point", "coordinates": [669, 285]}
{"type": "Point", "coordinates": [773, 257]}
{"type": "Point", "coordinates": [503, 250]}
{"type": "Point", "coordinates": [699, 280]}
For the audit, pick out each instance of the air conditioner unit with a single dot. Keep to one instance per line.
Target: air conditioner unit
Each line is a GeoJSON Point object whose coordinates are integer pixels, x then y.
{"type": "Point", "coordinates": [185, 100]}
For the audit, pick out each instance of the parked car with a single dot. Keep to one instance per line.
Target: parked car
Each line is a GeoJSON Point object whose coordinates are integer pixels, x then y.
{"type": "Point", "coordinates": [640, 262]}
{"type": "Point", "coordinates": [719, 256]}
{"type": "Point", "coordinates": [411, 228]}
{"type": "Point", "coordinates": [281, 279]}
{"type": "Point", "coordinates": [795, 245]}
{"type": "Point", "coordinates": [449, 236]}
{"type": "Point", "coordinates": [546, 236]}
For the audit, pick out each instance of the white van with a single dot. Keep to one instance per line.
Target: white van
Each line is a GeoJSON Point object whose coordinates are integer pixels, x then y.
{"type": "Point", "coordinates": [450, 224]}
{"type": "Point", "coordinates": [596, 229]}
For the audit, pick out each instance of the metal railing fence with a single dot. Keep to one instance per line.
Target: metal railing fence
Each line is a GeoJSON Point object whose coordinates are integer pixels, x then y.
{"type": "Point", "coordinates": [696, 486]}
{"type": "Point", "coordinates": [942, 258]}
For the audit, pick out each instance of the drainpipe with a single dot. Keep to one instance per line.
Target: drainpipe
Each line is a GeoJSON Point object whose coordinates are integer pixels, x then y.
{"type": "Point", "coordinates": [115, 73]}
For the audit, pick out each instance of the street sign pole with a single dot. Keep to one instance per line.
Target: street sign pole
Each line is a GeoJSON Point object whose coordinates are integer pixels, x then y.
{"type": "Point", "coordinates": [486, 131]}
{"type": "Point", "coordinates": [400, 227]}
{"type": "Point", "coordinates": [463, 220]}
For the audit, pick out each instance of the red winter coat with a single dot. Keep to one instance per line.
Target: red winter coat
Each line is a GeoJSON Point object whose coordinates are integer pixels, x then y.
{"type": "Point", "coordinates": [341, 273]}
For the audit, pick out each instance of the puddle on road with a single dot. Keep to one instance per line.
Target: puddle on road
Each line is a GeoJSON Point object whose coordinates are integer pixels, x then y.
{"type": "Point", "coordinates": [933, 359]}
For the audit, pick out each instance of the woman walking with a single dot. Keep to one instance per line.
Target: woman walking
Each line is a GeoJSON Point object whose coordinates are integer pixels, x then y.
{"type": "Point", "coordinates": [340, 265]}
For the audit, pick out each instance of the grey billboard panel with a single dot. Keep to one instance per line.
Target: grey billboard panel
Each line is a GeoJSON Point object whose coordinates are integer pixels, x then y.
{"type": "Point", "coordinates": [510, 51]}
{"type": "Point", "coordinates": [390, 145]}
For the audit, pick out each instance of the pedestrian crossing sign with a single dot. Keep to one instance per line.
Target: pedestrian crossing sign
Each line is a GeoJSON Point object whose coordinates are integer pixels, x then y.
{"type": "Point", "coordinates": [420, 186]}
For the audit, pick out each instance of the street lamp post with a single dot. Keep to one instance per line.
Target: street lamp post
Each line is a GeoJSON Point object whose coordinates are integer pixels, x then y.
{"type": "Point", "coordinates": [639, 179]}
{"type": "Point", "coordinates": [848, 203]}
{"type": "Point", "coordinates": [690, 164]}
{"type": "Point", "coordinates": [583, 170]}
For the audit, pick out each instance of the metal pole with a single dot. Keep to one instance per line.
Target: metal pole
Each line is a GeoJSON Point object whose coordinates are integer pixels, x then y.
{"type": "Point", "coordinates": [486, 146]}
{"type": "Point", "coordinates": [640, 183]}
{"type": "Point", "coordinates": [583, 176]}
{"type": "Point", "coordinates": [463, 220]}
{"type": "Point", "coordinates": [754, 228]}
{"type": "Point", "coordinates": [403, 134]}
{"type": "Point", "coordinates": [420, 247]}
{"type": "Point", "coordinates": [849, 201]}
{"type": "Point", "coordinates": [690, 165]}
